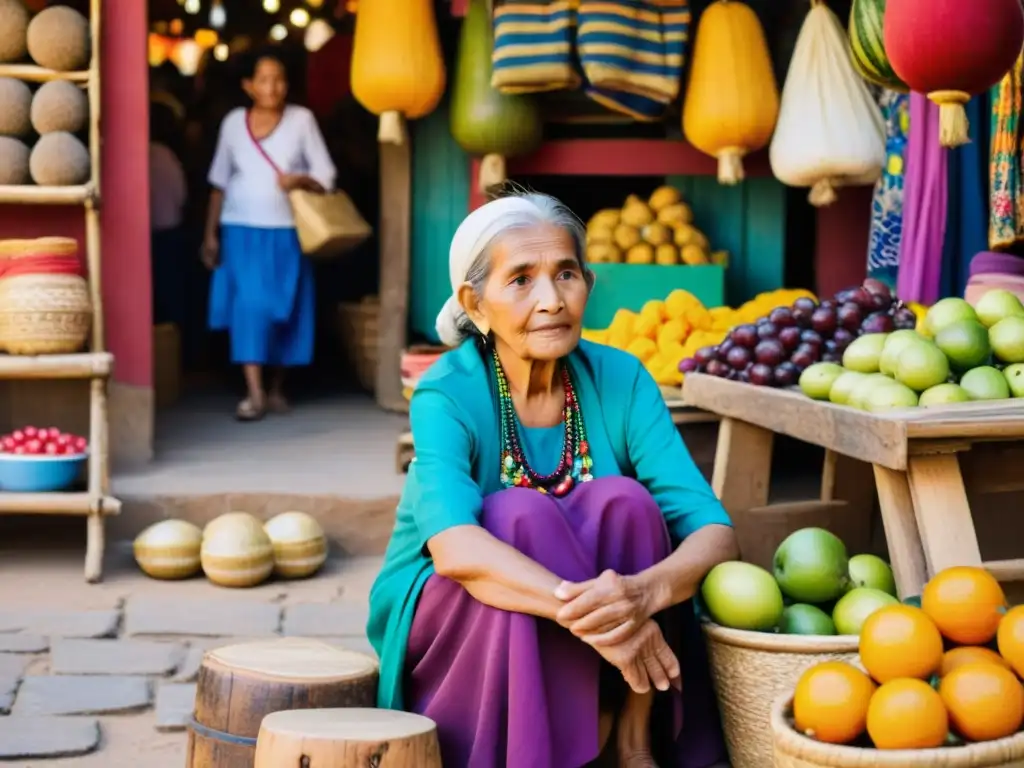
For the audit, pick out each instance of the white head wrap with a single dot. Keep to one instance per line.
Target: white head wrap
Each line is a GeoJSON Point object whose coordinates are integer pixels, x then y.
{"type": "Point", "coordinates": [473, 235]}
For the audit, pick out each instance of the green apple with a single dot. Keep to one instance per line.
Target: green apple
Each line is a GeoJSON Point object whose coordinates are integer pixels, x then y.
{"type": "Point", "coordinates": [864, 353]}
{"type": "Point", "coordinates": [896, 343]}
{"type": "Point", "coordinates": [803, 619]}
{"type": "Point", "coordinates": [921, 365]}
{"type": "Point", "coordinates": [872, 571]}
{"type": "Point", "coordinates": [816, 381]}
{"type": "Point", "coordinates": [946, 312]}
{"type": "Point", "coordinates": [855, 606]}
{"type": "Point", "coordinates": [843, 386]}
{"type": "Point", "coordinates": [998, 304]}
{"type": "Point", "coordinates": [985, 383]}
{"type": "Point", "coordinates": [742, 596]}
{"type": "Point", "coordinates": [811, 566]}
{"type": "Point", "coordinates": [890, 397]}
{"type": "Point", "coordinates": [1015, 378]}
{"type": "Point", "coordinates": [1007, 339]}
{"type": "Point", "coordinates": [943, 394]}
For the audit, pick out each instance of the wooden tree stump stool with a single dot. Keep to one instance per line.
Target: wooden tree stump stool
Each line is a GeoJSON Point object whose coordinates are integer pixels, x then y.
{"type": "Point", "coordinates": [239, 685]}
{"type": "Point", "coordinates": [347, 738]}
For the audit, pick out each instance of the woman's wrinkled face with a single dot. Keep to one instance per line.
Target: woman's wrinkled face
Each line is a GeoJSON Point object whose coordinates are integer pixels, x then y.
{"type": "Point", "coordinates": [268, 87]}
{"type": "Point", "coordinates": [535, 295]}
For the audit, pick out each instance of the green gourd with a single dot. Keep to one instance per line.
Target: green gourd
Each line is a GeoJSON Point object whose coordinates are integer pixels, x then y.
{"type": "Point", "coordinates": [867, 46]}
{"type": "Point", "coordinates": [484, 121]}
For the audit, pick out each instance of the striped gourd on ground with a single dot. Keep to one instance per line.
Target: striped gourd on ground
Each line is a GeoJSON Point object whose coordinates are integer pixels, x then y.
{"type": "Point", "coordinates": [300, 547]}
{"type": "Point", "coordinates": [236, 551]}
{"type": "Point", "coordinates": [867, 45]}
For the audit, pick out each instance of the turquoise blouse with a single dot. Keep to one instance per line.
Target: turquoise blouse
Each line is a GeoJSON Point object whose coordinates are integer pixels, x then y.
{"type": "Point", "coordinates": [455, 427]}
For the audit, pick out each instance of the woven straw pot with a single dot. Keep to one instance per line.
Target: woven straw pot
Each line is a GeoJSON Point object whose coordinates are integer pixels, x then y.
{"type": "Point", "coordinates": [793, 750]}
{"type": "Point", "coordinates": [357, 329]}
{"type": "Point", "coordinates": [750, 670]}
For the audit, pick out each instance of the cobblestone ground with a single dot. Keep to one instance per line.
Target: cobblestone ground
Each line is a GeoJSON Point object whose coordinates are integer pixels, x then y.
{"type": "Point", "coordinates": [103, 676]}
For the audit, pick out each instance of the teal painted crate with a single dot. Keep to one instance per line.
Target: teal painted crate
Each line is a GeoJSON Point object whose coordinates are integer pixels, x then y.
{"type": "Point", "coordinates": [630, 286]}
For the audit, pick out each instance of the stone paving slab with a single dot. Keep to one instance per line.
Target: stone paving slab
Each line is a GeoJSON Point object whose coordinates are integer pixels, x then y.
{"type": "Point", "coordinates": [23, 642]}
{"type": "Point", "coordinates": [12, 668]}
{"type": "Point", "coordinates": [115, 657]}
{"type": "Point", "coordinates": [81, 695]}
{"type": "Point", "coordinates": [61, 623]}
{"type": "Point", "coordinates": [209, 618]}
{"type": "Point", "coordinates": [174, 705]}
{"type": "Point", "coordinates": [47, 737]}
{"type": "Point", "coordinates": [340, 619]}
{"type": "Point", "coordinates": [188, 670]}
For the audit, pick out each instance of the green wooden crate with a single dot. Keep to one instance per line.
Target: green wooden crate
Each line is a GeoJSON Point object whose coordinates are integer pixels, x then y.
{"type": "Point", "coordinates": [630, 286]}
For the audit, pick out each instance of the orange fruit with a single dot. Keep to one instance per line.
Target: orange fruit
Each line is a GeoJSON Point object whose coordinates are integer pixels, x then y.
{"type": "Point", "coordinates": [985, 701]}
{"type": "Point", "coordinates": [966, 604]}
{"type": "Point", "coordinates": [907, 714]}
{"type": "Point", "coordinates": [1011, 638]}
{"type": "Point", "coordinates": [968, 654]}
{"type": "Point", "coordinates": [830, 703]}
{"type": "Point", "coordinates": [900, 641]}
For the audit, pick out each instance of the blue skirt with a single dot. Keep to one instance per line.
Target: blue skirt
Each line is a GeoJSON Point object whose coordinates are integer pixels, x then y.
{"type": "Point", "coordinates": [262, 294]}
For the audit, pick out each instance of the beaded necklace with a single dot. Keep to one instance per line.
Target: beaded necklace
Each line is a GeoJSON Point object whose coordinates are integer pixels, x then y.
{"type": "Point", "coordinates": [575, 462]}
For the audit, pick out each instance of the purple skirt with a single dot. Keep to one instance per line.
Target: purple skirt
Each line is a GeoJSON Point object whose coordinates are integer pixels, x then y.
{"type": "Point", "coordinates": [510, 689]}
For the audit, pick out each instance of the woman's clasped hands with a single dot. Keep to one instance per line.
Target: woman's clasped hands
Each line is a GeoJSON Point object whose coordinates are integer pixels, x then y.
{"type": "Point", "coordinates": [612, 614]}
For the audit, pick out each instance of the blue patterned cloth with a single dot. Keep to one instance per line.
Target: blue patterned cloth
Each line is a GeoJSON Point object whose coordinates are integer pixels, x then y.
{"type": "Point", "coordinates": [887, 205]}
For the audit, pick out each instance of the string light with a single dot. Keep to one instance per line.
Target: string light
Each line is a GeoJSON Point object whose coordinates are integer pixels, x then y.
{"type": "Point", "coordinates": [299, 17]}
{"type": "Point", "coordinates": [192, 6]}
{"type": "Point", "coordinates": [176, 27]}
{"type": "Point", "coordinates": [271, 6]}
{"type": "Point", "coordinates": [317, 35]}
{"type": "Point", "coordinates": [315, 3]}
{"type": "Point", "coordinates": [221, 52]}
{"type": "Point", "coordinates": [218, 16]}
{"type": "Point", "coordinates": [278, 32]}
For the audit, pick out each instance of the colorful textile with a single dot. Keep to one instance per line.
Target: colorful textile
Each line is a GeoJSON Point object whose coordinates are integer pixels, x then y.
{"type": "Point", "coordinates": [924, 205]}
{"type": "Point", "coordinates": [511, 690]}
{"type": "Point", "coordinates": [533, 46]}
{"type": "Point", "coordinates": [887, 204]}
{"type": "Point", "coordinates": [640, 108]}
{"type": "Point", "coordinates": [262, 294]}
{"type": "Point", "coordinates": [634, 46]}
{"type": "Point", "coordinates": [1006, 189]}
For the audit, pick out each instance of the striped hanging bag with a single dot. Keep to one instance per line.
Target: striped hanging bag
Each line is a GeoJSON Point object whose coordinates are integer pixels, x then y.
{"type": "Point", "coordinates": [533, 46]}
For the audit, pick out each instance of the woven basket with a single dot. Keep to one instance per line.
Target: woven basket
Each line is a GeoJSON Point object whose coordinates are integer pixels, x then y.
{"type": "Point", "coordinates": [750, 670]}
{"type": "Point", "coordinates": [44, 314]}
{"type": "Point", "coordinates": [40, 246]}
{"type": "Point", "coordinates": [793, 750]}
{"type": "Point", "coordinates": [357, 329]}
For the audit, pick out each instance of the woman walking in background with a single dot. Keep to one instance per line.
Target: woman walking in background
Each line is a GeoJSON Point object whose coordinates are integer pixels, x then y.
{"type": "Point", "coordinates": [262, 288]}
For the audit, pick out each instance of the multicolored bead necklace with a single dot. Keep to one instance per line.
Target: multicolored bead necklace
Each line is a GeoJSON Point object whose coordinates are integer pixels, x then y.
{"type": "Point", "coordinates": [575, 462]}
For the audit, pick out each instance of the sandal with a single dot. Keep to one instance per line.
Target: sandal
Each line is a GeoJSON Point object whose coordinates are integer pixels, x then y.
{"type": "Point", "coordinates": [247, 410]}
{"type": "Point", "coordinates": [278, 404]}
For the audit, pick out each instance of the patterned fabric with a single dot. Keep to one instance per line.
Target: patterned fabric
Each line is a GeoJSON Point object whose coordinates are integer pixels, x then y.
{"type": "Point", "coordinates": [1006, 193]}
{"type": "Point", "coordinates": [533, 46]}
{"type": "Point", "coordinates": [887, 205]}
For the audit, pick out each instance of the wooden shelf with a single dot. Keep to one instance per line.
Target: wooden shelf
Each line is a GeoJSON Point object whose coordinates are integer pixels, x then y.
{"type": "Point", "coordinates": [75, 503]}
{"type": "Point", "coordinates": [87, 365]}
{"type": "Point", "coordinates": [30, 194]}
{"type": "Point", "coordinates": [34, 74]}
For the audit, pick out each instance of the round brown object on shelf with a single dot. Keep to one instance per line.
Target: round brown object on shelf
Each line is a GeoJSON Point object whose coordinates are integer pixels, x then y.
{"type": "Point", "coordinates": [59, 160]}
{"type": "Point", "coordinates": [15, 100]}
{"type": "Point", "coordinates": [348, 737]}
{"type": "Point", "coordinates": [14, 161]}
{"type": "Point", "coordinates": [241, 684]}
{"type": "Point", "coordinates": [43, 314]}
{"type": "Point", "coordinates": [59, 106]}
{"type": "Point", "coordinates": [14, 18]}
{"type": "Point", "coordinates": [58, 38]}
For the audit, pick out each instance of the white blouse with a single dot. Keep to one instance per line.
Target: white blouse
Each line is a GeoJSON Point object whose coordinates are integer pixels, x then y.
{"type": "Point", "coordinates": [252, 196]}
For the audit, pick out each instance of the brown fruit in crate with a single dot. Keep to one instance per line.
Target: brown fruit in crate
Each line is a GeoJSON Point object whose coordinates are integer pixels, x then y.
{"type": "Point", "coordinates": [663, 197]}
{"type": "Point", "coordinates": [603, 253]}
{"type": "Point", "coordinates": [236, 551]}
{"type": "Point", "coordinates": [667, 255]}
{"type": "Point", "coordinates": [14, 157]}
{"type": "Point", "coordinates": [607, 218]}
{"type": "Point", "coordinates": [642, 253]}
{"type": "Point", "coordinates": [59, 106]}
{"type": "Point", "coordinates": [14, 18]}
{"type": "Point", "coordinates": [656, 234]}
{"type": "Point", "coordinates": [636, 212]}
{"type": "Point", "coordinates": [58, 38]}
{"type": "Point", "coordinates": [169, 549]}
{"type": "Point", "coordinates": [300, 547]}
{"type": "Point", "coordinates": [626, 236]}
{"type": "Point", "coordinates": [16, 99]}
{"type": "Point", "coordinates": [693, 255]}
{"type": "Point", "coordinates": [59, 160]}
{"type": "Point", "coordinates": [678, 213]}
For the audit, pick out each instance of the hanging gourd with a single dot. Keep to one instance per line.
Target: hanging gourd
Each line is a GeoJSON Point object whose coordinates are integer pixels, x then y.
{"type": "Point", "coordinates": [732, 100]}
{"type": "Point", "coordinates": [397, 63]}
{"type": "Point", "coordinates": [951, 50]}
{"type": "Point", "coordinates": [484, 121]}
{"type": "Point", "coordinates": [830, 131]}
{"type": "Point", "coordinates": [867, 43]}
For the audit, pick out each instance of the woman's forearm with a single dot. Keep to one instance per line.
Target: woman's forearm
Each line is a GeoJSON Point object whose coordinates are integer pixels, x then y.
{"type": "Point", "coordinates": [677, 578]}
{"type": "Point", "coordinates": [213, 213]}
{"type": "Point", "coordinates": [495, 573]}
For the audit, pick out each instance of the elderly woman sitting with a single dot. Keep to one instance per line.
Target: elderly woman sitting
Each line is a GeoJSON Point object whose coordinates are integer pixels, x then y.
{"type": "Point", "coordinates": [552, 529]}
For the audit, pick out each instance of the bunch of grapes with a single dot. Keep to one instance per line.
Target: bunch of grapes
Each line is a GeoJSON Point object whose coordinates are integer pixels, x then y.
{"type": "Point", "coordinates": [775, 350]}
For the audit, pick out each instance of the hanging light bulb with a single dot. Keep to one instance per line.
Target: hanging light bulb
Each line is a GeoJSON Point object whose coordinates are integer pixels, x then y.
{"type": "Point", "coordinates": [278, 32]}
{"type": "Point", "coordinates": [271, 6]}
{"type": "Point", "coordinates": [186, 56]}
{"type": "Point", "coordinates": [206, 38]}
{"type": "Point", "coordinates": [192, 6]}
{"type": "Point", "coordinates": [317, 35]}
{"type": "Point", "coordinates": [315, 3]}
{"type": "Point", "coordinates": [176, 27]}
{"type": "Point", "coordinates": [218, 16]}
{"type": "Point", "coordinates": [299, 17]}
{"type": "Point", "coordinates": [221, 52]}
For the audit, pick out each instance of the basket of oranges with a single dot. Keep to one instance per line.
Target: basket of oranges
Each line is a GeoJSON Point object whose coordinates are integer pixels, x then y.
{"type": "Point", "coordinates": [936, 685]}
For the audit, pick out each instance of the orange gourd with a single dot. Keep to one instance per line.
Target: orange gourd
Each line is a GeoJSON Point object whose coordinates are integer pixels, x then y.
{"type": "Point", "coordinates": [397, 63]}
{"type": "Point", "coordinates": [732, 100]}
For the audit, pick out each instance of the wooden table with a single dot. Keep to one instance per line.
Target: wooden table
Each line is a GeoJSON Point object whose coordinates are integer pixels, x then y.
{"type": "Point", "coordinates": [923, 462]}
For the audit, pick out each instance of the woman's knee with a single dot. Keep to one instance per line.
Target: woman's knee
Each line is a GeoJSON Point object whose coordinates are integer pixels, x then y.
{"type": "Point", "coordinates": [517, 514]}
{"type": "Point", "coordinates": [628, 497]}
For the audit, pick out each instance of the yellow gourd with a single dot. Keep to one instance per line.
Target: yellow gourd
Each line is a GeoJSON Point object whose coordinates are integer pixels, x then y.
{"type": "Point", "coordinates": [397, 63]}
{"type": "Point", "coordinates": [732, 101]}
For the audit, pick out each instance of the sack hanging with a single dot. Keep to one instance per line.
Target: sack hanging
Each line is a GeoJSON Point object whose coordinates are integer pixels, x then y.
{"type": "Point", "coordinates": [830, 131]}
{"type": "Point", "coordinates": [951, 50]}
{"type": "Point", "coordinates": [867, 42]}
{"type": "Point", "coordinates": [533, 46]}
{"type": "Point", "coordinates": [634, 46]}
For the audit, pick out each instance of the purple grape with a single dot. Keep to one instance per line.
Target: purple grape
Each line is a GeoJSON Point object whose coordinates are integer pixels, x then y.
{"type": "Point", "coordinates": [803, 358]}
{"type": "Point", "coordinates": [790, 338]}
{"type": "Point", "coordinates": [782, 317]}
{"type": "Point", "coordinates": [786, 374]}
{"type": "Point", "coordinates": [688, 365]}
{"type": "Point", "coordinates": [828, 304]}
{"type": "Point", "coordinates": [739, 358]}
{"type": "Point", "coordinates": [718, 368]}
{"type": "Point", "coordinates": [904, 319]}
{"type": "Point", "coordinates": [745, 335]}
{"type": "Point", "coordinates": [880, 303]}
{"type": "Point", "coordinates": [842, 339]}
{"type": "Point", "coordinates": [863, 299]}
{"type": "Point", "coordinates": [811, 337]}
{"type": "Point", "coordinates": [877, 322]}
{"type": "Point", "coordinates": [743, 375]}
{"type": "Point", "coordinates": [769, 352]}
{"type": "Point", "coordinates": [831, 347]}
{"type": "Point", "coordinates": [878, 288]}
{"type": "Point", "coordinates": [831, 357]}
{"type": "Point", "coordinates": [761, 375]}
{"type": "Point", "coordinates": [824, 320]}
{"type": "Point", "coordinates": [705, 355]}
{"type": "Point", "coordinates": [724, 347]}
{"type": "Point", "coordinates": [803, 308]}
{"type": "Point", "coordinates": [846, 295]}
{"type": "Point", "coordinates": [767, 330]}
{"type": "Point", "coordinates": [850, 316]}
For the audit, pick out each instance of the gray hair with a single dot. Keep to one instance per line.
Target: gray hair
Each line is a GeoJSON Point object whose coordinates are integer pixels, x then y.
{"type": "Point", "coordinates": [544, 210]}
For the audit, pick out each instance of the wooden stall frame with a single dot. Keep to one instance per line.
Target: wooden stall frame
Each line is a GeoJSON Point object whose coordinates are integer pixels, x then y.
{"type": "Point", "coordinates": [96, 364]}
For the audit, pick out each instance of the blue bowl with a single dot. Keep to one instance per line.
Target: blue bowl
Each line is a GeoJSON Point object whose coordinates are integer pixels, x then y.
{"type": "Point", "coordinates": [38, 474]}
